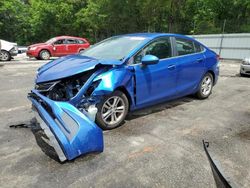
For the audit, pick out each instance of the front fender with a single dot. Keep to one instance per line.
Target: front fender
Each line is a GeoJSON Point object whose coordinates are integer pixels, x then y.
{"type": "Point", "coordinates": [116, 78]}
{"type": "Point", "coordinates": [113, 79]}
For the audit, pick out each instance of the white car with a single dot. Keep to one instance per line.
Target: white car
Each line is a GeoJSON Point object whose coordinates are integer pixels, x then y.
{"type": "Point", "coordinates": [245, 67]}
{"type": "Point", "coordinates": [8, 50]}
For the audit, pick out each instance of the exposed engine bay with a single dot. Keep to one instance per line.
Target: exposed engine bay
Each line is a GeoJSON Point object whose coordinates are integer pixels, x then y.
{"type": "Point", "coordinates": [65, 89]}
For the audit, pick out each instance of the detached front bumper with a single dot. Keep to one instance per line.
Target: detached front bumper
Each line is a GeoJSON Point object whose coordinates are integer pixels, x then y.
{"type": "Point", "coordinates": [70, 132]}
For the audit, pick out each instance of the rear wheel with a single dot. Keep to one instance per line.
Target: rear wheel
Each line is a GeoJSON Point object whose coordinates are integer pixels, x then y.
{"type": "Point", "coordinates": [5, 56]}
{"type": "Point", "coordinates": [112, 110]}
{"type": "Point", "coordinates": [44, 55]}
{"type": "Point", "coordinates": [81, 51]}
{"type": "Point", "coordinates": [205, 87]}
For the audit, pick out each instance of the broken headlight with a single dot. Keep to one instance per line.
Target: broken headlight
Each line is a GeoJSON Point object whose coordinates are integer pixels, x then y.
{"type": "Point", "coordinates": [43, 87]}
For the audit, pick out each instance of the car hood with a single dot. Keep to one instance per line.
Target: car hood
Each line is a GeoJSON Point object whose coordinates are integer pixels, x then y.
{"type": "Point", "coordinates": [69, 66]}
{"type": "Point", "coordinates": [5, 45]}
{"type": "Point", "coordinates": [39, 44]}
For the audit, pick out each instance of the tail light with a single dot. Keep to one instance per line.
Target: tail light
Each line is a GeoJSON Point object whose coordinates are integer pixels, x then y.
{"type": "Point", "coordinates": [218, 57]}
{"type": "Point", "coordinates": [218, 60]}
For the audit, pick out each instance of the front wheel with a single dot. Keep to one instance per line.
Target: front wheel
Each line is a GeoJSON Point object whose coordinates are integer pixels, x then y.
{"type": "Point", "coordinates": [112, 110]}
{"type": "Point", "coordinates": [205, 87]}
{"type": "Point", "coordinates": [44, 55]}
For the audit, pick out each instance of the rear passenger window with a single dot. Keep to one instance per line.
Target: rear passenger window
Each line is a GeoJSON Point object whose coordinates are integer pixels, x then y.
{"type": "Point", "coordinates": [198, 48]}
{"type": "Point", "coordinates": [184, 46]}
{"type": "Point", "coordinates": [81, 41]}
{"type": "Point", "coordinates": [71, 41]}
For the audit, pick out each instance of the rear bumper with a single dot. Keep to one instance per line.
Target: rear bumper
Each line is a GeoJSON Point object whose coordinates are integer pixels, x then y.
{"type": "Point", "coordinates": [70, 132]}
{"type": "Point", "coordinates": [217, 73]}
{"type": "Point", "coordinates": [245, 69]}
{"type": "Point", "coordinates": [13, 54]}
{"type": "Point", "coordinates": [14, 51]}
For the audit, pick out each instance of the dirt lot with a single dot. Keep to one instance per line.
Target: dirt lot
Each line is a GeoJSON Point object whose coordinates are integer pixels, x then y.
{"type": "Point", "coordinates": [160, 146]}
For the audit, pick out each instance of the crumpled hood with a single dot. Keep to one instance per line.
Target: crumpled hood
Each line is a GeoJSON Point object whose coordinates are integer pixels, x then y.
{"type": "Point", "coordinates": [69, 66]}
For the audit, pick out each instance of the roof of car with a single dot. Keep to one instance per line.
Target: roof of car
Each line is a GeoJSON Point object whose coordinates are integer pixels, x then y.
{"type": "Point", "coordinates": [59, 37]}
{"type": "Point", "coordinates": [153, 35]}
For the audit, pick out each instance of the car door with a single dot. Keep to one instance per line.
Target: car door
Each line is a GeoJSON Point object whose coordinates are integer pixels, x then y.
{"type": "Point", "coordinates": [155, 83]}
{"type": "Point", "coordinates": [190, 67]}
{"type": "Point", "coordinates": [72, 46]}
{"type": "Point", "coordinates": [59, 47]}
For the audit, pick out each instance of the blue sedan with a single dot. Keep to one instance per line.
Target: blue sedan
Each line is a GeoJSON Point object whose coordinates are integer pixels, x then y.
{"type": "Point", "coordinates": [76, 95]}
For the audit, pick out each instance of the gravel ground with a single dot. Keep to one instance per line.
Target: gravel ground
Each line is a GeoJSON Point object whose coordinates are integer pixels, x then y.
{"type": "Point", "coordinates": [160, 146]}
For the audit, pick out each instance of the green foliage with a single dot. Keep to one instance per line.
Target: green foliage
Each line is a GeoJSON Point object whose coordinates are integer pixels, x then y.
{"type": "Point", "coordinates": [29, 21]}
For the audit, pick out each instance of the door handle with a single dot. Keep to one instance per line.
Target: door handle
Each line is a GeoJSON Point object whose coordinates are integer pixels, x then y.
{"type": "Point", "coordinates": [199, 60]}
{"type": "Point", "coordinates": [171, 67]}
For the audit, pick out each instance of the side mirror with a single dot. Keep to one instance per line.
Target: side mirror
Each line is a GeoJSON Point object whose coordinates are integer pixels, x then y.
{"type": "Point", "coordinates": [150, 60]}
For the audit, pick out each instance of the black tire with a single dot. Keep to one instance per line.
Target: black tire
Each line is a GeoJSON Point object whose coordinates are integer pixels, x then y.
{"type": "Point", "coordinates": [5, 56]}
{"type": "Point", "coordinates": [80, 51]}
{"type": "Point", "coordinates": [44, 55]}
{"type": "Point", "coordinates": [204, 93]}
{"type": "Point", "coordinates": [37, 58]}
{"type": "Point", "coordinates": [242, 75]}
{"type": "Point", "coordinates": [101, 109]}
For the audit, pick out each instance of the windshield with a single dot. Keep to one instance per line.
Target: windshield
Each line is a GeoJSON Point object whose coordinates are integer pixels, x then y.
{"type": "Point", "coordinates": [113, 48]}
{"type": "Point", "coordinates": [51, 40]}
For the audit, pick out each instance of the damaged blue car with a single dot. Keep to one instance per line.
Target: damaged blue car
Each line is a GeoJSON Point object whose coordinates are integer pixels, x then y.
{"type": "Point", "coordinates": [78, 96]}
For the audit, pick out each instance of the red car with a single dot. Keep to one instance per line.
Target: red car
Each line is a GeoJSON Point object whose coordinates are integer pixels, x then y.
{"type": "Point", "coordinates": [58, 46]}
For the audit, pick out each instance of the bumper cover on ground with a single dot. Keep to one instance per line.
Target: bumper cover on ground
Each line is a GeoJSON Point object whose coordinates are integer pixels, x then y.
{"type": "Point", "coordinates": [70, 132]}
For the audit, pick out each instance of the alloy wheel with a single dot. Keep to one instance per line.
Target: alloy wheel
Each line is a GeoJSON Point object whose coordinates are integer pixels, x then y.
{"type": "Point", "coordinates": [4, 56]}
{"type": "Point", "coordinates": [45, 55]}
{"type": "Point", "coordinates": [113, 110]}
{"type": "Point", "coordinates": [206, 85]}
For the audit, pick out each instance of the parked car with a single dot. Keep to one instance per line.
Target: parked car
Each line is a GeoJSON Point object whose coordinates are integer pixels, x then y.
{"type": "Point", "coordinates": [22, 49]}
{"type": "Point", "coordinates": [245, 67]}
{"type": "Point", "coordinates": [57, 47]}
{"type": "Point", "coordinates": [8, 50]}
{"type": "Point", "coordinates": [77, 94]}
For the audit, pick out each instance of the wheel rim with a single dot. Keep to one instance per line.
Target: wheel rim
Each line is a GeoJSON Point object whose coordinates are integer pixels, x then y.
{"type": "Point", "coordinates": [113, 110]}
{"type": "Point", "coordinates": [4, 56]}
{"type": "Point", "coordinates": [206, 86]}
{"type": "Point", "coordinates": [45, 55]}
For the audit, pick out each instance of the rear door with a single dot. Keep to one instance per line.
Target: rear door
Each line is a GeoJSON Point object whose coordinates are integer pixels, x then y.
{"type": "Point", "coordinates": [190, 65]}
{"type": "Point", "coordinates": [59, 47]}
{"type": "Point", "coordinates": [155, 82]}
{"type": "Point", "coordinates": [72, 46]}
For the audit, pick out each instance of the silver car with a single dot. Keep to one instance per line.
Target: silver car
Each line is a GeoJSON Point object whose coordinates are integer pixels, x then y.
{"type": "Point", "coordinates": [7, 50]}
{"type": "Point", "coordinates": [245, 67]}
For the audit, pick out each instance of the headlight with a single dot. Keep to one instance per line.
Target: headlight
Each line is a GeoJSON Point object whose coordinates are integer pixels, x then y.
{"type": "Point", "coordinates": [33, 48]}
{"type": "Point", "coordinates": [45, 86]}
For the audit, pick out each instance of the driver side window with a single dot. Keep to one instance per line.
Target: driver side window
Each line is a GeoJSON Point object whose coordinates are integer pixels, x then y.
{"type": "Point", "coordinates": [160, 48]}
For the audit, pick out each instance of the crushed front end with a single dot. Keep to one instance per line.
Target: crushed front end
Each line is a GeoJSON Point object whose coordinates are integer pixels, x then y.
{"type": "Point", "coordinates": [70, 132]}
{"type": "Point", "coordinates": [65, 113]}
